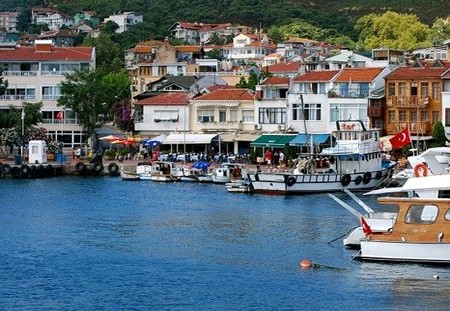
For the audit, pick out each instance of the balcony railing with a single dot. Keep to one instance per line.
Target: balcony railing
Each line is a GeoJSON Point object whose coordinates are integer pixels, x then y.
{"type": "Point", "coordinates": [19, 73]}
{"type": "Point", "coordinates": [17, 97]}
{"type": "Point", "coordinates": [349, 93]}
{"type": "Point", "coordinates": [415, 127]}
{"type": "Point", "coordinates": [413, 101]}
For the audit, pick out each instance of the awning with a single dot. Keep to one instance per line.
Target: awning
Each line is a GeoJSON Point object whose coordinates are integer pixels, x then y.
{"type": "Point", "coordinates": [231, 137]}
{"type": "Point", "coordinates": [303, 139]}
{"type": "Point", "coordinates": [269, 140]}
{"type": "Point", "coordinates": [186, 138]}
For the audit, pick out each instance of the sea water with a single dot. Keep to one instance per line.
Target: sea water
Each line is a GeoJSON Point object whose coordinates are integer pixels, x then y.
{"type": "Point", "coordinates": [100, 243]}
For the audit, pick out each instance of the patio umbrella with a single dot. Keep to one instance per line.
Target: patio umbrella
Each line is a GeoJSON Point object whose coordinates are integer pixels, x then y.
{"type": "Point", "coordinates": [201, 165]}
{"type": "Point", "coordinates": [151, 143]}
{"type": "Point", "coordinates": [110, 138]}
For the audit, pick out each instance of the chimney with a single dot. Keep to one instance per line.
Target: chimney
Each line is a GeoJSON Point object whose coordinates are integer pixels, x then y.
{"type": "Point", "coordinates": [43, 45]}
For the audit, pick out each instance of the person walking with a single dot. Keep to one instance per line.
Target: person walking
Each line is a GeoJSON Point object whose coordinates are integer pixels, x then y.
{"type": "Point", "coordinates": [281, 155]}
{"type": "Point", "coordinates": [268, 156]}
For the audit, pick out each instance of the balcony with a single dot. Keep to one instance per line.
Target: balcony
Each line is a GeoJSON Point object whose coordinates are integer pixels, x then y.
{"type": "Point", "coordinates": [375, 112]}
{"type": "Point", "coordinates": [348, 93]}
{"type": "Point", "coordinates": [415, 127]}
{"type": "Point", "coordinates": [413, 101]}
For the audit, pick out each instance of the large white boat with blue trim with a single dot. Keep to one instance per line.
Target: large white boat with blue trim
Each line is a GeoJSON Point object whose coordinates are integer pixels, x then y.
{"type": "Point", "coordinates": [355, 162]}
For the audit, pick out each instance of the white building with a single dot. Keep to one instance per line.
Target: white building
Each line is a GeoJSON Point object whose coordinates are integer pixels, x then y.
{"type": "Point", "coordinates": [34, 74]}
{"type": "Point", "coordinates": [125, 20]}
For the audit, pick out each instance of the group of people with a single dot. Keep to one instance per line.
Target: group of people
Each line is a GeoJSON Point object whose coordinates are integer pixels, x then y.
{"type": "Point", "coordinates": [274, 158]}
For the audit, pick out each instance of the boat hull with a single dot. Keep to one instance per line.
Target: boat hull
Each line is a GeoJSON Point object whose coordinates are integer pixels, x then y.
{"type": "Point", "coordinates": [405, 251]}
{"type": "Point", "coordinates": [284, 183]}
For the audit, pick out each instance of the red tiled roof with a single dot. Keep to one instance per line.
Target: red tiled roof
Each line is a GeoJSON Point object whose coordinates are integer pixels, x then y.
{"type": "Point", "coordinates": [358, 74]}
{"type": "Point", "coordinates": [317, 76]}
{"type": "Point", "coordinates": [188, 48]}
{"type": "Point", "coordinates": [171, 98]}
{"type": "Point", "coordinates": [215, 87]}
{"type": "Point", "coordinates": [275, 81]}
{"type": "Point", "coordinates": [54, 54]}
{"type": "Point", "coordinates": [418, 72]}
{"type": "Point", "coordinates": [283, 67]}
{"type": "Point", "coordinates": [228, 94]}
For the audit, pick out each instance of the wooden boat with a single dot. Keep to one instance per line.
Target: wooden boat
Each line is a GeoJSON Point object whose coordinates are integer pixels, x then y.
{"type": "Point", "coordinates": [229, 172]}
{"type": "Point", "coordinates": [161, 171]}
{"type": "Point", "coordinates": [129, 176]}
{"type": "Point", "coordinates": [420, 233]}
{"type": "Point", "coordinates": [355, 163]}
{"type": "Point", "coordinates": [434, 186]}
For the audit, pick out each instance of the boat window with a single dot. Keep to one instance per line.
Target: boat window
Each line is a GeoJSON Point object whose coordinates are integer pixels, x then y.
{"type": "Point", "coordinates": [447, 215]}
{"type": "Point", "coordinates": [421, 214]}
{"type": "Point", "coordinates": [444, 194]}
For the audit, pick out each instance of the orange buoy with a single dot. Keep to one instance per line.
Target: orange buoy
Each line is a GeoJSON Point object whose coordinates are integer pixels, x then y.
{"type": "Point", "coordinates": [420, 170]}
{"type": "Point", "coordinates": [305, 264]}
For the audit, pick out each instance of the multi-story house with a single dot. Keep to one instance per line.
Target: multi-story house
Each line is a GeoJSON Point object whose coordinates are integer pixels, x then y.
{"type": "Point", "coordinates": [197, 33]}
{"type": "Point", "coordinates": [347, 58]}
{"type": "Point", "coordinates": [50, 17]}
{"type": "Point", "coordinates": [271, 104]}
{"type": "Point", "coordinates": [228, 112]}
{"type": "Point", "coordinates": [319, 98]}
{"type": "Point", "coordinates": [34, 74]}
{"type": "Point", "coordinates": [163, 113]}
{"type": "Point", "coordinates": [249, 48]}
{"type": "Point", "coordinates": [414, 98]}
{"type": "Point", "coordinates": [87, 16]}
{"type": "Point", "coordinates": [8, 21]}
{"type": "Point", "coordinates": [60, 37]}
{"type": "Point", "coordinates": [125, 20]}
{"type": "Point", "coordinates": [284, 69]}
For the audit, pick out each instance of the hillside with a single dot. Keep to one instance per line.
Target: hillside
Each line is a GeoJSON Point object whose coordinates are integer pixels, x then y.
{"type": "Point", "coordinates": [160, 14]}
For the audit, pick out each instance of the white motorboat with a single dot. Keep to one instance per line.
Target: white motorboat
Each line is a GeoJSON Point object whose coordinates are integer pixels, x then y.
{"type": "Point", "coordinates": [129, 176]}
{"type": "Point", "coordinates": [420, 233]}
{"type": "Point", "coordinates": [141, 168]}
{"type": "Point", "coordinates": [433, 161]}
{"type": "Point", "coordinates": [355, 163]}
{"type": "Point", "coordinates": [189, 174]}
{"type": "Point", "coordinates": [242, 186]}
{"type": "Point", "coordinates": [161, 171]}
{"type": "Point", "coordinates": [229, 172]}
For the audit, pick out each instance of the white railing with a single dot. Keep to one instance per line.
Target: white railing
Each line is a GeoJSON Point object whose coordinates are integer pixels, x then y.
{"type": "Point", "coordinates": [17, 97]}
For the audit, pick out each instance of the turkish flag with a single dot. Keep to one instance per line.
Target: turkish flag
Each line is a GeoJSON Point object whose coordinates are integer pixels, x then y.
{"type": "Point", "coordinates": [400, 139]}
{"type": "Point", "coordinates": [59, 115]}
{"type": "Point", "coordinates": [365, 227]}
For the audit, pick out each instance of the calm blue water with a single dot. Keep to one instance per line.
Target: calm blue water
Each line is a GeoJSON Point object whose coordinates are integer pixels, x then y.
{"type": "Point", "coordinates": [74, 243]}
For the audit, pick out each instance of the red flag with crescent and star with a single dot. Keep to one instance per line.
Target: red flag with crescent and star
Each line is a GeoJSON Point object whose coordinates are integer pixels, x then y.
{"type": "Point", "coordinates": [365, 226]}
{"type": "Point", "coordinates": [400, 139]}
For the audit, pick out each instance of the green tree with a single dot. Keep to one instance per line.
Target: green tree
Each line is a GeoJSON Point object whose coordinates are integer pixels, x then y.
{"type": "Point", "coordinates": [107, 52]}
{"type": "Point", "coordinates": [3, 83]}
{"type": "Point", "coordinates": [392, 30]}
{"type": "Point", "coordinates": [440, 31]}
{"type": "Point", "coordinates": [91, 94]}
{"type": "Point", "coordinates": [214, 53]}
{"type": "Point", "coordinates": [215, 39]}
{"type": "Point", "coordinates": [439, 138]}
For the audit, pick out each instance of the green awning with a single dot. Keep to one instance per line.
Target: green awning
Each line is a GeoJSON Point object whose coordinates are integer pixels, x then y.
{"type": "Point", "coordinates": [270, 141]}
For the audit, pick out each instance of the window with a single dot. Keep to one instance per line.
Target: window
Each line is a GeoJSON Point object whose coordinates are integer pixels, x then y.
{"type": "Point", "coordinates": [391, 116]}
{"type": "Point", "coordinates": [50, 92]}
{"type": "Point", "coordinates": [424, 115]}
{"type": "Point", "coordinates": [310, 112]}
{"type": "Point", "coordinates": [402, 116]}
{"type": "Point", "coordinates": [165, 115]}
{"type": "Point", "coordinates": [205, 116]}
{"type": "Point", "coordinates": [334, 114]}
{"type": "Point", "coordinates": [391, 89]}
{"type": "Point", "coordinates": [402, 89]}
{"type": "Point", "coordinates": [162, 70]}
{"type": "Point", "coordinates": [436, 90]}
{"type": "Point", "coordinates": [248, 116]}
{"type": "Point", "coordinates": [447, 116]}
{"type": "Point", "coordinates": [272, 115]}
{"type": "Point", "coordinates": [222, 116]}
{"type": "Point", "coordinates": [413, 88]}
{"type": "Point", "coordinates": [421, 214]}
{"type": "Point", "coordinates": [233, 115]}
{"type": "Point", "coordinates": [424, 89]}
{"type": "Point", "coordinates": [413, 116]}
{"type": "Point", "coordinates": [435, 117]}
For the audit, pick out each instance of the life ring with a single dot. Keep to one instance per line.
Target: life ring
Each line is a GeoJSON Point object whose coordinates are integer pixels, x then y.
{"type": "Point", "coordinates": [6, 169]}
{"type": "Point", "coordinates": [345, 180]}
{"type": "Point", "coordinates": [367, 177]}
{"type": "Point", "coordinates": [420, 170]}
{"type": "Point", "coordinates": [331, 160]}
{"type": "Point", "coordinates": [381, 146]}
{"type": "Point", "coordinates": [49, 170]}
{"type": "Point", "coordinates": [97, 167]}
{"type": "Point", "coordinates": [80, 167]}
{"type": "Point", "coordinates": [25, 170]}
{"type": "Point", "coordinates": [291, 181]}
{"type": "Point", "coordinates": [113, 169]}
{"type": "Point", "coordinates": [15, 172]}
{"type": "Point", "coordinates": [358, 180]}
{"type": "Point", "coordinates": [33, 171]}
